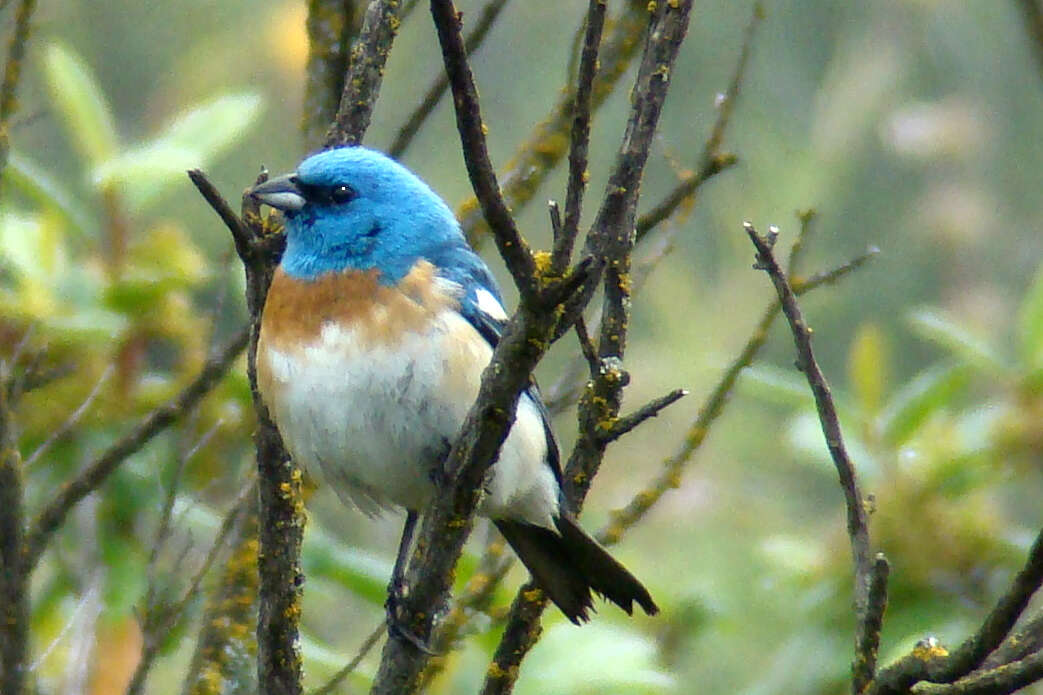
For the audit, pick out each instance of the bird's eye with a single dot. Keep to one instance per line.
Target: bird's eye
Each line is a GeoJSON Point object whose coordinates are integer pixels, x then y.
{"type": "Point", "coordinates": [341, 194]}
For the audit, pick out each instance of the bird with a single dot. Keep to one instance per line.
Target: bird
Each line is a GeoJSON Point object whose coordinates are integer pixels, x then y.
{"type": "Point", "coordinates": [377, 325]}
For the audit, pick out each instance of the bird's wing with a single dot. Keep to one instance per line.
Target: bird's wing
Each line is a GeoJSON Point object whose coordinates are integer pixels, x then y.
{"type": "Point", "coordinates": [482, 307]}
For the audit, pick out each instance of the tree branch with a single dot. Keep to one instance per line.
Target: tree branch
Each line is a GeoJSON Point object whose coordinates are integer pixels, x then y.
{"type": "Point", "coordinates": [486, 19]}
{"type": "Point", "coordinates": [55, 511]}
{"type": "Point", "coordinates": [331, 25]}
{"type": "Point", "coordinates": [611, 241]}
{"type": "Point", "coordinates": [14, 566]}
{"type": "Point", "coordinates": [565, 235]}
{"type": "Point", "coordinates": [539, 153]}
{"type": "Point", "coordinates": [857, 525]}
{"type": "Point", "coordinates": [362, 84]}
{"type": "Point", "coordinates": [513, 248]}
{"type": "Point", "coordinates": [670, 477]}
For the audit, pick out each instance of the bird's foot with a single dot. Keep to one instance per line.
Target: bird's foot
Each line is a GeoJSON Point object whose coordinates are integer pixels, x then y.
{"type": "Point", "coordinates": [397, 628]}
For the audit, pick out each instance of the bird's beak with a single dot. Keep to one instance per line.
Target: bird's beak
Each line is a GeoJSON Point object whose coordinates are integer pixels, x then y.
{"type": "Point", "coordinates": [281, 192]}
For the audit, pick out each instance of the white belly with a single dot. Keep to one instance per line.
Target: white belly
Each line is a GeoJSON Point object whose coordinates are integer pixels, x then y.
{"type": "Point", "coordinates": [378, 424]}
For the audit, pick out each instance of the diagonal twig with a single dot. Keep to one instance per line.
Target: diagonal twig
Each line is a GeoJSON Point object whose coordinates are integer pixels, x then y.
{"type": "Point", "coordinates": [362, 83]}
{"type": "Point", "coordinates": [857, 524]}
{"type": "Point", "coordinates": [513, 248]}
{"type": "Point", "coordinates": [54, 512]}
{"type": "Point", "coordinates": [486, 19]}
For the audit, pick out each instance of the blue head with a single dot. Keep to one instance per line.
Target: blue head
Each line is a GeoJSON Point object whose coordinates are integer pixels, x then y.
{"type": "Point", "coordinates": [355, 208]}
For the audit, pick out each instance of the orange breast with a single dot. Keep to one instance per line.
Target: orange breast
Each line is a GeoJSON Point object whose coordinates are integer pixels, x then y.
{"type": "Point", "coordinates": [296, 310]}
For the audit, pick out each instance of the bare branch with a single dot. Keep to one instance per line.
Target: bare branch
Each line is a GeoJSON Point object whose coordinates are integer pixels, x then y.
{"type": "Point", "coordinates": [55, 511]}
{"type": "Point", "coordinates": [565, 238]}
{"type": "Point", "coordinates": [224, 648]}
{"type": "Point", "coordinates": [857, 525]}
{"type": "Point", "coordinates": [670, 477]}
{"type": "Point", "coordinates": [70, 423]}
{"type": "Point", "coordinates": [649, 410]}
{"type": "Point", "coordinates": [535, 158]}
{"type": "Point", "coordinates": [512, 247]}
{"type": "Point", "coordinates": [867, 636]}
{"type": "Point", "coordinates": [159, 618]}
{"type": "Point", "coordinates": [362, 84]}
{"type": "Point", "coordinates": [367, 645]}
{"type": "Point", "coordinates": [486, 19]}
{"type": "Point", "coordinates": [712, 161]}
{"type": "Point", "coordinates": [611, 241]}
{"type": "Point", "coordinates": [14, 566]}
{"type": "Point", "coordinates": [331, 25]}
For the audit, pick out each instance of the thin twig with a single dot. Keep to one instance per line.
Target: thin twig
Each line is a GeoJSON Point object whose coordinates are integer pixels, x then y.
{"type": "Point", "coordinates": [98, 471]}
{"type": "Point", "coordinates": [538, 154]}
{"type": "Point", "coordinates": [160, 619]}
{"type": "Point", "coordinates": [649, 410]}
{"type": "Point", "coordinates": [711, 161]}
{"type": "Point", "coordinates": [580, 138]}
{"type": "Point", "coordinates": [867, 637]}
{"type": "Point", "coordinates": [513, 248]}
{"type": "Point", "coordinates": [365, 648]}
{"type": "Point", "coordinates": [857, 525]}
{"type": "Point", "coordinates": [670, 478]}
{"type": "Point", "coordinates": [362, 83]}
{"type": "Point", "coordinates": [1033, 13]}
{"type": "Point", "coordinates": [486, 19]}
{"type": "Point", "coordinates": [224, 650]}
{"type": "Point", "coordinates": [70, 423]}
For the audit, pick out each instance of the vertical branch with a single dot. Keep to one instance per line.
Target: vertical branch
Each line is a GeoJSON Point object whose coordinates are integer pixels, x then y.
{"type": "Point", "coordinates": [488, 16]}
{"type": "Point", "coordinates": [14, 570]}
{"type": "Point", "coordinates": [610, 241]}
{"type": "Point", "coordinates": [362, 83]}
{"type": "Point", "coordinates": [13, 74]}
{"type": "Point", "coordinates": [281, 529]}
{"type": "Point", "coordinates": [1033, 13]}
{"type": "Point", "coordinates": [224, 652]}
{"type": "Point", "coordinates": [476, 155]}
{"type": "Point", "coordinates": [541, 151]}
{"type": "Point", "coordinates": [331, 26]}
{"type": "Point", "coordinates": [857, 525]}
{"type": "Point", "coordinates": [580, 138]}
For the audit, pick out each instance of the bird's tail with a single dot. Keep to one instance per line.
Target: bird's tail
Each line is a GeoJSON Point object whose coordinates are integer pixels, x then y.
{"type": "Point", "coordinates": [567, 565]}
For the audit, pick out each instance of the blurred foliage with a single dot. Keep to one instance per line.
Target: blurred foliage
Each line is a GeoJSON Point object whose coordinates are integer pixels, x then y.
{"type": "Point", "coordinates": [888, 118]}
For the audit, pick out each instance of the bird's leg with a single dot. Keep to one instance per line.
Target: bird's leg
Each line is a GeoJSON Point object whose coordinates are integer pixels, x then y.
{"type": "Point", "coordinates": [397, 587]}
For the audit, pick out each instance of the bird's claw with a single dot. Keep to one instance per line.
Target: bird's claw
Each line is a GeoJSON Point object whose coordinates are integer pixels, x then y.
{"type": "Point", "coordinates": [397, 628]}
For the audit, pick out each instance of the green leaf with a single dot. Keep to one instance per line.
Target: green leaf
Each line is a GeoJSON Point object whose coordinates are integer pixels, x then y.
{"type": "Point", "coordinates": [148, 170]}
{"type": "Point", "coordinates": [212, 126]}
{"type": "Point", "coordinates": [38, 186]}
{"type": "Point", "coordinates": [932, 390]}
{"type": "Point", "coordinates": [932, 325]}
{"type": "Point", "coordinates": [1030, 324]}
{"type": "Point", "coordinates": [81, 104]}
{"type": "Point", "coordinates": [142, 173]}
{"type": "Point", "coordinates": [868, 366]}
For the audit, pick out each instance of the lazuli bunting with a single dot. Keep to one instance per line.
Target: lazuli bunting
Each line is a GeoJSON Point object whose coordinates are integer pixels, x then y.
{"type": "Point", "coordinates": [378, 324]}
